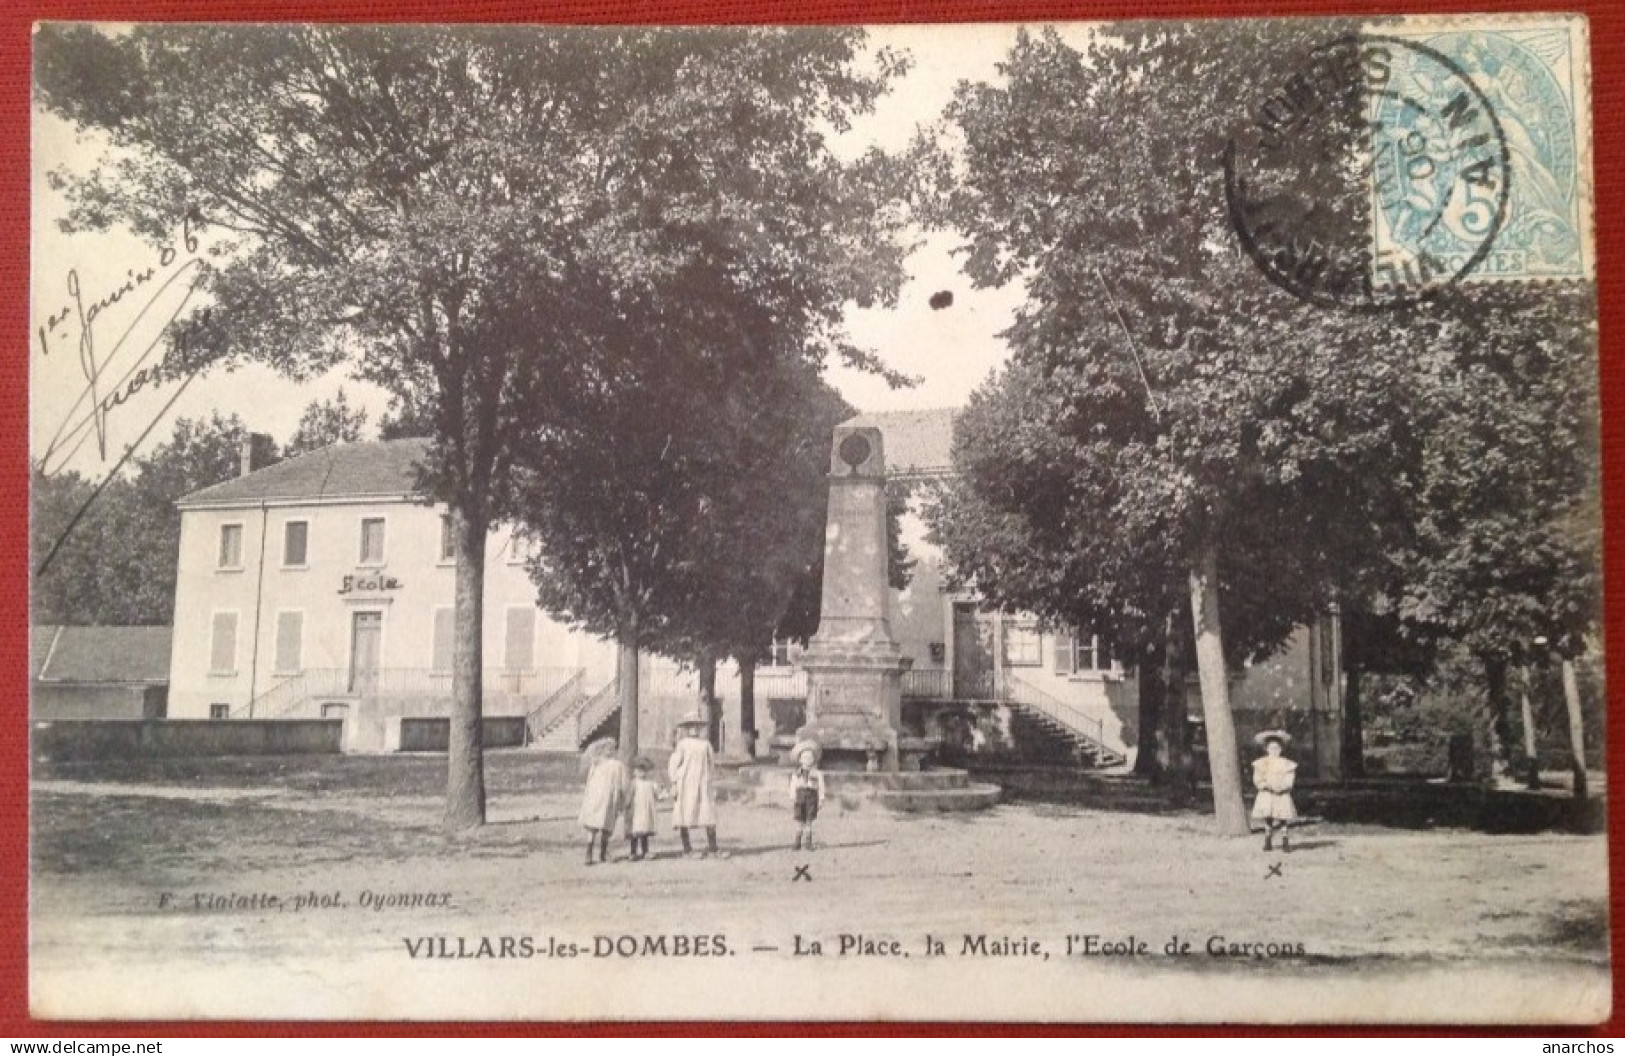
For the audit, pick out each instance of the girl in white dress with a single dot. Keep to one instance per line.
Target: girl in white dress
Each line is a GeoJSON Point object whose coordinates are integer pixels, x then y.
{"type": "Point", "coordinates": [1273, 776]}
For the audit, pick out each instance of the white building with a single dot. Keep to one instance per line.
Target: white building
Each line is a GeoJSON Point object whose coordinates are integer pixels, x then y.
{"type": "Point", "coordinates": [322, 586]}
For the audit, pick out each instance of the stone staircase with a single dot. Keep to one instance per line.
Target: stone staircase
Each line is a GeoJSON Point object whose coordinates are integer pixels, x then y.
{"type": "Point", "coordinates": [1083, 731]}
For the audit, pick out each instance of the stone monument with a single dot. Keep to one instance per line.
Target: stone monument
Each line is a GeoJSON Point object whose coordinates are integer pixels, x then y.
{"type": "Point", "coordinates": [853, 664]}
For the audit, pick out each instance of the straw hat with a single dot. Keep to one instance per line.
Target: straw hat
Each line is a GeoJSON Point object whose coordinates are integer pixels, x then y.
{"type": "Point", "coordinates": [1263, 737]}
{"type": "Point", "coordinates": [693, 718]}
{"type": "Point", "coordinates": [596, 750]}
{"type": "Point", "coordinates": [806, 744]}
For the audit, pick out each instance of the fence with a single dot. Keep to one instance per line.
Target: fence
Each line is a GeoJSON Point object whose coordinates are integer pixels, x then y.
{"type": "Point", "coordinates": [84, 739]}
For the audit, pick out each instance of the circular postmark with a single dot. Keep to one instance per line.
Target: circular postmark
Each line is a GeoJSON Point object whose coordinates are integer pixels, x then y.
{"type": "Point", "coordinates": [1370, 177]}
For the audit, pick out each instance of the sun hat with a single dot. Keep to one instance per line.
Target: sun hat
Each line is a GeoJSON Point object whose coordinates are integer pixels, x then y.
{"type": "Point", "coordinates": [1263, 737]}
{"type": "Point", "coordinates": [806, 744]}
{"type": "Point", "coordinates": [596, 750]}
{"type": "Point", "coordinates": [693, 718]}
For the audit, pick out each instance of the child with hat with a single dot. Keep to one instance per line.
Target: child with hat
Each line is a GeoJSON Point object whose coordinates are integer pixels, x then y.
{"type": "Point", "coordinates": [640, 808]}
{"type": "Point", "coordinates": [692, 769]}
{"type": "Point", "coordinates": [1273, 776]}
{"type": "Point", "coordinates": [806, 789]}
{"type": "Point", "coordinates": [604, 797]}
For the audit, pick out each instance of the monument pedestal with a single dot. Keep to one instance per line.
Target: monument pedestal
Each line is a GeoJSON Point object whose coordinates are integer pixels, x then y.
{"type": "Point", "coordinates": [854, 704]}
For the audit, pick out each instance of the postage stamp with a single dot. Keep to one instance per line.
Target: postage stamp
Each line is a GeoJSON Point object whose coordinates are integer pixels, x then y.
{"type": "Point", "coordinates": [1530, 76]}
{"type": "Point", "coordinates": [816, 523]}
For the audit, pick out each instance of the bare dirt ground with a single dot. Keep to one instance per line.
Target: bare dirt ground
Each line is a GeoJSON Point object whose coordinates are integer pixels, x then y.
{"type": "Point", "coordinates": [251, 887]}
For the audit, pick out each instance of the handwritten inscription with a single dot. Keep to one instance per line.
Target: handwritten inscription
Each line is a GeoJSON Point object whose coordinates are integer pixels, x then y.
{"type": "Point", "coordinates": [140, 350]}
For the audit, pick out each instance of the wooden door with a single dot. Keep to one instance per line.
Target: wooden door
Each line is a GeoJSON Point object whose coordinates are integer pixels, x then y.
{"type": "Point", "coordinates": [366, 638]}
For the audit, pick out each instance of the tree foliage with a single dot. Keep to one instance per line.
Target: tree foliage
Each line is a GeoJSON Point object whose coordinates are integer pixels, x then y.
{"type": "Point", "coordinates": [1165, 400]}
{"type": "Point", "coordinates": [469, 217]}
{"type": "Point", "coordinates": [117, 566]}
{"type": "Point", "coordinates": [327, 422]}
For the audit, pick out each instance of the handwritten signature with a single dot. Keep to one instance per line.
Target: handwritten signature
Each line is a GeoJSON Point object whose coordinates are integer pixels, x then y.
{"type": "Point", "coordinates": [127, 366]}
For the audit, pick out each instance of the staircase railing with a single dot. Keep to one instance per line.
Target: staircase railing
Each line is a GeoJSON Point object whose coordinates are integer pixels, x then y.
{"type": "Point", "coordinates": [928, 684]}
{"type": "Point", "coordinates": [557, 707]}
{"type": "Point", "coordinates": [599, 707]}
{"type": "Point", "coordinates": [1021, 692]}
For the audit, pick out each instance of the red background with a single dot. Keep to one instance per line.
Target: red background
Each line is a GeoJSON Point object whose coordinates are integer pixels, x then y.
{"type": "Point", "coordinates": [1608, 122]}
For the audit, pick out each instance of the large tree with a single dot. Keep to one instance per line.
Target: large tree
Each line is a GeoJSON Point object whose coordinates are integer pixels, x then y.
{"type": "Point", "coordinates": [455, 212]}
{"type": "Point", "coordinates": [742, 238]}
{"type": "Point", "coordinates": [1226, 430]}
{"type": "Point", "coordinates": [1506, 560]}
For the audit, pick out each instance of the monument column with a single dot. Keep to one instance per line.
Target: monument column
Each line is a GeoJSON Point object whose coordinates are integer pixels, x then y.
{"type": "Point", "coordinates": [853, 664]}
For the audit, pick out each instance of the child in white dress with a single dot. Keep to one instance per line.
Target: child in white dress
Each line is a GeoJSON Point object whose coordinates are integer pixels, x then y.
{"type": "Point", "coordinates": [640, 808]}
{"type": "Point", "coordinates": [1273, 776]}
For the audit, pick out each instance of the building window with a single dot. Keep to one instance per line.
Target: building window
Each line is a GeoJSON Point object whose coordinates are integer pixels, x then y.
{"type": "Point", "coordinates": [372, 540]}
{"type": "Point", "coordinates": [1022, 646]}
{"type": "Point", "coordinates": [518, 550]}
{"type": "Point", "coordinates": [448, 542]}
{"type": "Point", "coordinates": [223, 644]}
{"type": "Point", "coordinates": [1081, 653]}
{"type": "Point", "coordinates": [219, 711]}
{"type": "Point", "coordinates": [295, 544]}
{"type": "Point", "coordinates": [519, 649]}
{"type": "Point", "coordinates": [290, 639]}
{"type": "Point", "coordinates": [781, 653]}
{"type": "Point", "coordinates": [231, 546]}
{"type": "Point", "coordinates": [445, 630]}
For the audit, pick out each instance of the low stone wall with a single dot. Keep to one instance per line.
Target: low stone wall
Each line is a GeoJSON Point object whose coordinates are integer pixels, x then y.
{"type": "Point", "coordinates": [434, 734]}
{"type": "Point", "coordinates": [68, 740]}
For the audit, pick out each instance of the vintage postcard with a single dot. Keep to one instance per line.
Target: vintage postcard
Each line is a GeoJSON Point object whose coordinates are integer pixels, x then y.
{"type": "Point", "coordinates": [1081, 522]}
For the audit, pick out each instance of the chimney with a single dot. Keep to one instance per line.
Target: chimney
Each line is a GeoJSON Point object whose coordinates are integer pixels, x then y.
{"type": "Point", "coordinates": [256, 453]}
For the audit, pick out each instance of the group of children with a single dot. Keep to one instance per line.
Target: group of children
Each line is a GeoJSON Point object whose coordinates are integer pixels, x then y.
{"type": "Point", "coordinates": [611, 795]}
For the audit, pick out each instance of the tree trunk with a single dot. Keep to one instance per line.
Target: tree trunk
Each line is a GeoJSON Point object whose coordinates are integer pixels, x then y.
{"type": "Point", "coordinates": [1154, 693]}
{"type": "Point", "coordinates": [1175, 745]}
{"type": "Point", "coordinates": [1500, 708]}
{"type": "Point", "coordinates": [1577, 736]}
{"type": "Point", "coordinates": [1531, 750]}
{"type": "Point", "coordinates": [1224, 760]}
{"type": "Point", "coordinates": [1353, 732]}
{"type": "Point", "coordinates": [465, 762]}
{"type": "Point", "coordinates": [747, 706]}
{"type": "Point", "coordinates": [626, 690]}
{"type": "Point", "coordinates": [708, 700]}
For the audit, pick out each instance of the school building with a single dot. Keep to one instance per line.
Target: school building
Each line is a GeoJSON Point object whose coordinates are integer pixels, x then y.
{"type": "Point", "coordinates": [323, 586]}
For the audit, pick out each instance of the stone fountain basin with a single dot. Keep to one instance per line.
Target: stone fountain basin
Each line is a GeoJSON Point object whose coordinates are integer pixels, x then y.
{"type": "Point", "coordinates": [938, 790]}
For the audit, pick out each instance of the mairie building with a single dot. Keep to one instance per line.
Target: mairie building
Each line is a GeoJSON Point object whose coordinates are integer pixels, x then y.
{"type": "Point", "coordinates": [323, 585]}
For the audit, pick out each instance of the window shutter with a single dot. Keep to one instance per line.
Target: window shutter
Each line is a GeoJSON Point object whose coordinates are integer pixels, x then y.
{"type": "Point", "coordinates": [290, 634]}
{"type": "Point", "coordinates": [520, 652]}
{"type": "Point", "coordinates": [223, 644]}
{"type": "Point", "coordinates": [448, 547]}
{"type": "Point", "coordinates": [372, 541]}
{"type": "Point", "coordinates": [295, 537]}
{"type": "Point", "coordinates": [445, 628]}
{"type": "Point", "coordinates": [231, 546]}
{"type": "Point", "coordinates": [1063, 654]}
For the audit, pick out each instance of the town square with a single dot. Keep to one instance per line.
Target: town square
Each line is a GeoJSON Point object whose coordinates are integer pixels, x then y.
{"type": "Point", "coordinates": [1095, 521]}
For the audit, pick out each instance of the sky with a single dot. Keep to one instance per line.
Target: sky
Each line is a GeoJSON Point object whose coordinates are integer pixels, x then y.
{"type": "Point", "coordinates": [951, 350]}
